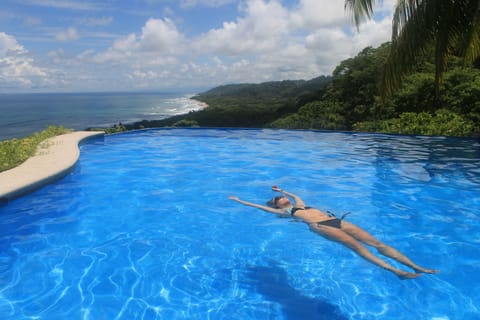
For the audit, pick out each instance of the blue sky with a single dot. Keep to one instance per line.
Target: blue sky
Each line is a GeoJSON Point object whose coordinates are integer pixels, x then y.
{"type": "Point", "coordinates": [162, 45]}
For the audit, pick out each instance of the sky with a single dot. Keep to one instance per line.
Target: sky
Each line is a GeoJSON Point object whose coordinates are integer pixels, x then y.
{"type": "Point", "coordinates": [165, 45]}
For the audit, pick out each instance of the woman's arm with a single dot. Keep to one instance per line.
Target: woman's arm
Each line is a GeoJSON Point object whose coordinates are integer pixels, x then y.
{"type": "Point", "coordinates": [298, 201]}
{"type": "Point", "coordinates": [259, 206]}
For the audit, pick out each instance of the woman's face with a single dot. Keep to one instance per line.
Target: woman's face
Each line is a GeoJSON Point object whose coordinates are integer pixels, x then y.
{"type": "Point", "coordinates": [283, 202]}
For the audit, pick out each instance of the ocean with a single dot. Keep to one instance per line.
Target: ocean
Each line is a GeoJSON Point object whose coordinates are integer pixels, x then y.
{"type": "Point", "coordinates": [24, 114]}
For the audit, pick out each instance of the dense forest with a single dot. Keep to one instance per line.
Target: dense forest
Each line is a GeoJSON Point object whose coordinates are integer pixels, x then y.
{"type": "Point", "coordinates": [350, 99]}
{"type": "Point", "coordinates": [246, 105]}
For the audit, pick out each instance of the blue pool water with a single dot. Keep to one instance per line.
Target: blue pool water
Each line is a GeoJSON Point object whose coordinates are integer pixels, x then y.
{"type": "Point", "coordinates": [143, 229]}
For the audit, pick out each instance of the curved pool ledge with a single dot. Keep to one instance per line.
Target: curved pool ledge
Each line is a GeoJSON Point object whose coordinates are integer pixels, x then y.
{"type": "Point", "coordinates": [54, 158]}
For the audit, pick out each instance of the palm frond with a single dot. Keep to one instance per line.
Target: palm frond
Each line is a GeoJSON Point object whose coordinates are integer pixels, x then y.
{"type": "Point", "coordinates": [404, 12]}
{"type": "Point", "coordinates": [469, 46]}
{"type": "Point", "coordinates": [452, 26]}
{"type": "Point", "coordinates": [443, 22]}
{"type": "Point", "coordinates": [409, 43]}
{"type": "Point", "coordinates": [361, 10]}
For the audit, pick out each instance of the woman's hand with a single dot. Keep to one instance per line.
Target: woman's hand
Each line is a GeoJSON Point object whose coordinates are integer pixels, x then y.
{"type": "Point", "coordinates": [275, 188]}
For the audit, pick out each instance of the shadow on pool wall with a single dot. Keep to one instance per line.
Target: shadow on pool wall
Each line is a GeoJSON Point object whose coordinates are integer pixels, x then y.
{"type": "Point", "coordinates": [272, 282]}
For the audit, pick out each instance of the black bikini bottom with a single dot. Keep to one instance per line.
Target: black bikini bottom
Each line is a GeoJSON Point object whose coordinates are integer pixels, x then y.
{"type": "Point", "coordinates": [336, 223]}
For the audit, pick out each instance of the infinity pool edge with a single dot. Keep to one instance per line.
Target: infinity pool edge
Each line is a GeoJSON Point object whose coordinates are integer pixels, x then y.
{"type": "Point", "coordinates": [54, 158]}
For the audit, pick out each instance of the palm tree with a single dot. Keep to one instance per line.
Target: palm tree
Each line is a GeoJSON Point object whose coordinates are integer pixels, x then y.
{"type": "Point", "coordinates": [452, 27]}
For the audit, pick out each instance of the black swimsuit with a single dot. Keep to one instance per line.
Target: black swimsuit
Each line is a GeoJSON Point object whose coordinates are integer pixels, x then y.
{"type": "Point", "coordinates": [293, 210]}
{"type": "Point", "coordinates": [335, 223]}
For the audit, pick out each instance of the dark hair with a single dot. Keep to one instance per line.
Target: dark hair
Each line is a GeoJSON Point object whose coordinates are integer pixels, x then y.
{"type": "Point", "coordinates": [273, 202]}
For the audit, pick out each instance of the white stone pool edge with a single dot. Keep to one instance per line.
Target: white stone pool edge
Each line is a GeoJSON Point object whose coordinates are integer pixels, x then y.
{"type": "Point", "coordinates": [54, 158]}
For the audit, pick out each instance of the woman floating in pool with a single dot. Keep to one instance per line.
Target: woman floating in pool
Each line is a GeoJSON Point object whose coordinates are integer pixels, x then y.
{"type": "Point", "coordinates": [338, 230]}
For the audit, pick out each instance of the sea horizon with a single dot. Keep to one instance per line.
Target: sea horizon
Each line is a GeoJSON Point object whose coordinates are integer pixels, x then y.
{"type": "Point", "coordinates": [26, 113]}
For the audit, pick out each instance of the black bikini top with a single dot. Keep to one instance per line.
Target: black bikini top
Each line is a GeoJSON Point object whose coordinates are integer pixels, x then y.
{"type": "Point", "coordinates": [330, 214]}
{"type": "Point", "coordinates": [293, 210]}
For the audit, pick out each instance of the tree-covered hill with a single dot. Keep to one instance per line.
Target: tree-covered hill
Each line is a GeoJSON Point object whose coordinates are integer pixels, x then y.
{"type": "Point", "coordinates": [247, 105]}
{"type": "Point", "coordinates": [351, 99]}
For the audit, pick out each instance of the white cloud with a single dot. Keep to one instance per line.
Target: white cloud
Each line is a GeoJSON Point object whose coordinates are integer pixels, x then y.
{"type": "Point", "coordinates": [157, 44]}
{"type": "Point", "coordinates": [260, 30]}
{"type": "Point", "coordinates": [71, 34]}
{"type": "Point", "coordinates": [307, 41]}
{"type": "Point", "coordinates": [330, 46]}
{"type": "Point", "coordinates": [312, 14]}
{"type": "Point", "coordinates": [120, 51]}
{"type": "Point", "coordinates": [373, 33]}
{"type": "Point", "coordinates": [17, 69]}
{"type": "Point", "coordinates": [60, 57]}
{"type": "Point", "coordinates": [267, 41]}
{"type": "Point", "coordinates": [160, 36]}
{"type": "Point", "coordinates": [9, 45]}
{"type": "Point", "coordinates": [144, 75]}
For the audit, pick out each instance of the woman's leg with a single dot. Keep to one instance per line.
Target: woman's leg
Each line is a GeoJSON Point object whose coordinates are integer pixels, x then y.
{"type": "Point", "coordinates": [363, 236]}
{"type": "Point", "coordinates": [347, 240]}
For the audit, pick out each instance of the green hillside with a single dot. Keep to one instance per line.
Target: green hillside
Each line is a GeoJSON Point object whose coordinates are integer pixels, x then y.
{"type": "Point", "coordinates": [350, 99]}
{"type": "Point", "coordinates": [247, 105]}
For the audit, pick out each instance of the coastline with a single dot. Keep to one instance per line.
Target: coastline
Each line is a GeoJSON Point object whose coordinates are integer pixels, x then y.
{"type": "Point", "coordinates": [54, 159]}
{"type": "Point", "coordinates": [201, 103]}
{"type": "Point", "coordinates": [25, 114]}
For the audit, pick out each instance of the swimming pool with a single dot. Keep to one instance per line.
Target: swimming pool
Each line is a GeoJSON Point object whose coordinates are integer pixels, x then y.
{"type": "Point", "coordinates": [143, 229]}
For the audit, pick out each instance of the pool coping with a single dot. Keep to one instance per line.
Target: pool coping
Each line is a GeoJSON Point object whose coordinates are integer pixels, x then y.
{"type": "Point", "coordinates": [53, 159]}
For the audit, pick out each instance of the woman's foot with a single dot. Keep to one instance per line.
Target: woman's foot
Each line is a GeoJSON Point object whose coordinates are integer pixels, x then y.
{"type": "Point", "coordinates": [403, 275]}
{"type": "Point", "coordinates": [424, 270]}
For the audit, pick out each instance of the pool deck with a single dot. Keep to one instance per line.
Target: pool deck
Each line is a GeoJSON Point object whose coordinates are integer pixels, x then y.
{"type": "Point", "coordinates": [54, 159]}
